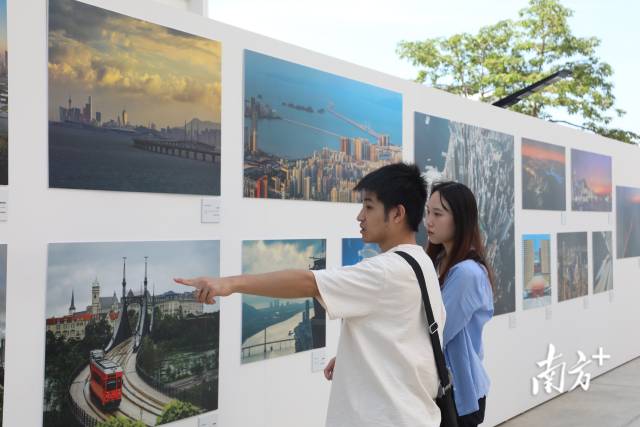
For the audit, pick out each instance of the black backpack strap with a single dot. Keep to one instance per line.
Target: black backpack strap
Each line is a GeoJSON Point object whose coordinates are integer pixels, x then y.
{"type": "Point", "coordinates": [432, 326]}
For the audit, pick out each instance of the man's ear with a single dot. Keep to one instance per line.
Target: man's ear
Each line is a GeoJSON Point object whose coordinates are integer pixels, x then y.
{"type": "Point", "coordinates": [398, 213]}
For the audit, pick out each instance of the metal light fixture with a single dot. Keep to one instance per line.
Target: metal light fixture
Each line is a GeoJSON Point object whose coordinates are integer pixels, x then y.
{"type": "Point", "coordinates": [515, 97]}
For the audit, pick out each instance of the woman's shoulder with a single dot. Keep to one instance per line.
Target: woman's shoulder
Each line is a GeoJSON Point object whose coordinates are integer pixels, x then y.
{"type": "Point", "coordinates": [471, 279]}
{"type": "Point", "coordinates": [469, 269]}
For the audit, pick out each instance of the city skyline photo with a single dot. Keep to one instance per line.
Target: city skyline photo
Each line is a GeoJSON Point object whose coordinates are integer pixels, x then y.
{"type": "Point", "coordinates": [311, 135]}
{"type": "Point", "coordinates": [133, 106]}
{"type": "Point", "coordinates": [4, 96]}
{"type": "Point", "coordinates": [573, 266]}
{"type": "Point", "coordinates": [543, 176]}
{"type": "Point", "coordinates": [591, 182]}
{"type": "Point", "coordinates": [536, 257]}
{"type": "Point", "coordinates": [483, 160]}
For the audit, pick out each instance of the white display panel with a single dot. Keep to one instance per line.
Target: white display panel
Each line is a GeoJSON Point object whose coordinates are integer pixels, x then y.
{"type": "Point", "coordinates": [284, 391]}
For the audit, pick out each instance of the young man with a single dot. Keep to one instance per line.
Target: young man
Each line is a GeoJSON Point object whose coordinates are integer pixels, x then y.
{"type": "Point", "coordinates": [384, 374]}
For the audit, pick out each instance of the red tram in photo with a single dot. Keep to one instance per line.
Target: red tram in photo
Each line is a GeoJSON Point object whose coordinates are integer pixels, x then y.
{"type": "Point", "coordinates": [106, 380]}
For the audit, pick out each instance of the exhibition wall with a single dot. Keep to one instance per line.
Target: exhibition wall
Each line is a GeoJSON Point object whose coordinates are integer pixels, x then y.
{"type": "Point", "coordinates": [148, 143]}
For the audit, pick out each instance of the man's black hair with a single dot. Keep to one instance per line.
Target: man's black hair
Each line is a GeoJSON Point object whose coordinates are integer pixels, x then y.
{"type": "Point", "coordinates": [398, 184]}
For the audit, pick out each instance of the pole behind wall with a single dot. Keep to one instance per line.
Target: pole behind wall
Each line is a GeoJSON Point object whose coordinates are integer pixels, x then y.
{"type": "Point", "coordinates": [201, 7]}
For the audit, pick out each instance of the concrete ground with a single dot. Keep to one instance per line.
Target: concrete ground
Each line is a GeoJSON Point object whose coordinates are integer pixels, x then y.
{"type": "Point", "coordinates": [613, 400]}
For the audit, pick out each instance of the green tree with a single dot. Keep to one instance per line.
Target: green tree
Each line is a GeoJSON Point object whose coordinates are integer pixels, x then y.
{"type": "Point", "coordinates": [120, 422]}
{"type": "Point", "coordinates": [177, 410]}
{"type": "Point", "coordinates": [512, 54]}
{"type": "Point", "coordinates": [63, 358]}
{"type": "Point", "coordinates": [97, 334]}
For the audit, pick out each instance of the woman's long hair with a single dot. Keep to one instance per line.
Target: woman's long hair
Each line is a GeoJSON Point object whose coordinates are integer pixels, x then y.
{"type": "Point", "coordinates": [467, 240]}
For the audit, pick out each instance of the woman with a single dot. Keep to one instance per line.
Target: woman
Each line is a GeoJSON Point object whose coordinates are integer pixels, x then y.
{"type": "Point", "coordinates": [456, 249]}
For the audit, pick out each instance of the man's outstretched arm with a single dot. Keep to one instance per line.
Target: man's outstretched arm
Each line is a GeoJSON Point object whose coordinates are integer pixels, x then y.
{"type": "Point", "coordinates": [279, 284]}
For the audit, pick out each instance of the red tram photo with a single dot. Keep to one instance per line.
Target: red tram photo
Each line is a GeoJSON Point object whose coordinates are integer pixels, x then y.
{"type": "Point", "coordinates": [106, 380]}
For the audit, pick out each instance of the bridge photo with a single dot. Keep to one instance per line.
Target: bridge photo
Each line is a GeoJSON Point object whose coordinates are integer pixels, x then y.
{"type": "Point", "coordinates": [128, 343]}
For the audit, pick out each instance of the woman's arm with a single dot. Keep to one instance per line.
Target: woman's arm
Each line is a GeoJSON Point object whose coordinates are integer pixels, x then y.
{"type": "Point", "coordinates": [461, 295]}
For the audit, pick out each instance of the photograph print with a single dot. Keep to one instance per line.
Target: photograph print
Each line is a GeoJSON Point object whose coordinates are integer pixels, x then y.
{"type": "Point", "coordinates": [627, 222]}
{"type": "Point", "coordinates": [602, 261]}
{"type": "Point", "coordinates": [355, 250]}
{"type": "Point", "coordinates": [543, 176]}
{"type": "Point", "coordinates": [3, 322]}
{"type": "Point", "coordinates": [573, 269]}
{"type": "Point", "coordinates": [4, 96]}
{"type": "Point", "coordinates": [536, 256]}
{"type": "Point", "coordinates": [483, 160]}
{"type": "Point", "coordinates": [312, 135]}
{"type": "Point", "coordinates": [133, 106]}
{"type": "Point", "coordinates": [123, 340]}
{"type": "Point", "coordinates": [591, 182]}
{"type": "Point", "coordinates": [274, 327]}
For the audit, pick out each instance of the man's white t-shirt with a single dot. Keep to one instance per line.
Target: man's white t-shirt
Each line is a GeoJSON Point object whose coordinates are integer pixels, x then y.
{"type": "Point", "coordinates": [385, 373]}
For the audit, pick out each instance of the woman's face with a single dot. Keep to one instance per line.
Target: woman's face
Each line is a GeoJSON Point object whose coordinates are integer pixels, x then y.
{"type": "Point", "coordinates": [439, 220]}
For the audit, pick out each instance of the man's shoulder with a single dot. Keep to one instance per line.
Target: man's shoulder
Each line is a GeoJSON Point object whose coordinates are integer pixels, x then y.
{"type": "Point", "coordinates": [396, 262]}
{"type": "Point", "coordinates": [416, 252]}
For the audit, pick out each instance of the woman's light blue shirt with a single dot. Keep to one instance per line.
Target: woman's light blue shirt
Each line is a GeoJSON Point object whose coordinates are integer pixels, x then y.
{"type": "Point", "coordinates": [468, 300]}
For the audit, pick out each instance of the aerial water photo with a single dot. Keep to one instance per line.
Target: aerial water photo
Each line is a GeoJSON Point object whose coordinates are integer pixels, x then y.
{"type": "Point", "coordinates": [311, 135]}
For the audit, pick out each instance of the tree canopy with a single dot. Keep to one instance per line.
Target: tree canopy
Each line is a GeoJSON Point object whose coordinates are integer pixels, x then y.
{"type": "Point", "coordinates": [121, 421]}
{"type": "Point", "coordinates": [505, 57]}
{"type": "Point", "coordinates": [177, 410]}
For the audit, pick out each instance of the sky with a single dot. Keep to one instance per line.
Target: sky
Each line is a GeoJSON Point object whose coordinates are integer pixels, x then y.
{"type": "Point", "coordinates": [273, 82]}
{"type": "Point", "coordinates": [3, 25]}
{"type": "Point", "coordinates": [355, 250]}
{"type": "Point", "coordinates": [594, 168]}
{"type": "Point", "coordinates": [264, 256]}
{"type": "Point", "coordinates": [537, 240]}
{"type": "Point", "coordinates": [74, 266]}
{"type": "Point", "coordinates": [367, 32]}
{"type": "Point", "coordinates": [543, 151]}
{"type": "Point", "coordinates": [628, 196]}
{"type": "Point", "coordinates": [157, 75]}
